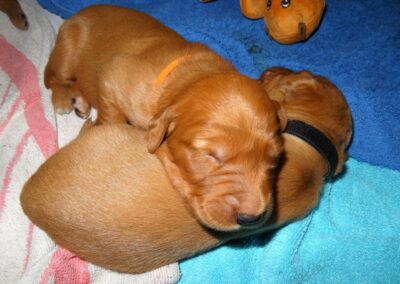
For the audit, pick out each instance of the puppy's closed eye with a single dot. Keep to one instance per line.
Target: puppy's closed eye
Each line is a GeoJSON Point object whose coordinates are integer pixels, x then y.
{"type": "Point", "coordinates": [200, 143]}
{"type": "Point", "coordinates": [210, 150]}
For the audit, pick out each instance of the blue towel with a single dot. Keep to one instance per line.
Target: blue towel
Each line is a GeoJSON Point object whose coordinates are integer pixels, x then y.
{"type": "Point", "coordinates": [357, 46]}
{"type": "Point", "coordinates": [353, 236]}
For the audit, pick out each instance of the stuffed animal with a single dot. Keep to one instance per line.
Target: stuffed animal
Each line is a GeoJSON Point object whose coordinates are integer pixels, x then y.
{"type": "Point", "coordinates": [287, 21]}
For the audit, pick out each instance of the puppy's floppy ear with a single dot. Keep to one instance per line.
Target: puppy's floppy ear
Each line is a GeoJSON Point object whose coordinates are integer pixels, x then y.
{"type": "Point", "coordinates": [159, 127]}
{"type": "Point", "coordinates": [173, 171]}
{"type": "Point", "coordinates": [281, 113]}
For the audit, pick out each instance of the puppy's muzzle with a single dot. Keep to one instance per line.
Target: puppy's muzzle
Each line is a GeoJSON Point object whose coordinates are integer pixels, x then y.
{"type": "Point", "coordinates": [249, 220]}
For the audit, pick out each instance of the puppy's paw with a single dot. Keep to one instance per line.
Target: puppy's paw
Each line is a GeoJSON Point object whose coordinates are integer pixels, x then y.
{"type": "Point", "coordinates": [81, 107]}
{"type": "Point", "coordinates": [20, 21]}
{"type": "Point", "coordinates": [17, 17]}
{"type": "Point", "coordinates": [61, 105]}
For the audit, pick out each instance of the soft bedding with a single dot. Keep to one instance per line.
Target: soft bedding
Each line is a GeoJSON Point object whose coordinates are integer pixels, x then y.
{"type": "Point", "coordinates": [29, 134]}
{"type": "Point", "coordinates": [353, 236]}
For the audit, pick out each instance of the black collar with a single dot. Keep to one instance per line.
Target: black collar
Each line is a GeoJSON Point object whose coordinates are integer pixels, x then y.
{"type": "Point", "coordinates": [317, 139]}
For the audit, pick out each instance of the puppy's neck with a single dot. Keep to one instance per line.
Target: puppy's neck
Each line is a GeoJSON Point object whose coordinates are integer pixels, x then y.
{"type": "Point", "coordinates": [198, 62]}
{"type": "Point", "coordinates": [170, 68]}
{"type": "Point", "coordinates": [305, 158]}
{"type": "Point", "coordinates": [299, 182]}
{"type": "Point", "coordinates": [318, 140]}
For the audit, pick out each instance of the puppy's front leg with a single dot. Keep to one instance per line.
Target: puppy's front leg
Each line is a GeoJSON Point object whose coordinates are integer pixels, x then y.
{"type": "Point", "coordinates": [108, 112]}
{"type": "Point", "coordinates": [61, 71]}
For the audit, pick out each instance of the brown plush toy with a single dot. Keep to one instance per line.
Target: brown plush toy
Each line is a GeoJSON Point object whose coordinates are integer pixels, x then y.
{"type": "Point", "coordinates": [287, 21]}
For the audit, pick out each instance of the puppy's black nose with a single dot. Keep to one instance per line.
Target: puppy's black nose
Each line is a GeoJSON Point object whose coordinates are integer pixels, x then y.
{"type": "Point", "coordinates": [248, 219]}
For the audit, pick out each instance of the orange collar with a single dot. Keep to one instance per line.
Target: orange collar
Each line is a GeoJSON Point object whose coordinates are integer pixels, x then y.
{"type": "Point", "coordinates": [169, 68]}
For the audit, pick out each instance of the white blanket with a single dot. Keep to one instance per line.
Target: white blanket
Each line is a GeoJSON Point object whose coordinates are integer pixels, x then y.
{"type": "Point", "coordinates": [30, 132]}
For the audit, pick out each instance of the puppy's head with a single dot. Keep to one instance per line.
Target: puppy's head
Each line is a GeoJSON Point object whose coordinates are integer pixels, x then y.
{"type": "Point", "coordinates": [314, 100]}
{"type": "Point", "coordinates": [220, 141]}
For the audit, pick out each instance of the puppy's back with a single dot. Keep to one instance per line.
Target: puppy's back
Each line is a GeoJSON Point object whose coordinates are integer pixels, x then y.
{"type": "Point", "coordinates": [106, 199]}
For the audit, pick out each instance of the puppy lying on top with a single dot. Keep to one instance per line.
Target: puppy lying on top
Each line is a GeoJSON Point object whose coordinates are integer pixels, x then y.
{"type": "Point", "coordinates": [205, 121]}
{"type": "Point", "coordinates": [106, 199]}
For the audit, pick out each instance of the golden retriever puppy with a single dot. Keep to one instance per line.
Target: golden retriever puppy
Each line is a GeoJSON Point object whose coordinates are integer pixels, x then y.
{"type": "Point", "coordinates": [13, 10]}
{"type": "Point", "coordinates": [106, 199]}
{"type": "Point", "coordinates": [206, 121]}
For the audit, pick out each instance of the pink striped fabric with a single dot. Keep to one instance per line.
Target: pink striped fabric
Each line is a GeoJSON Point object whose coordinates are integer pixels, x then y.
{"type": "Point", "coordinates": [63, 267]}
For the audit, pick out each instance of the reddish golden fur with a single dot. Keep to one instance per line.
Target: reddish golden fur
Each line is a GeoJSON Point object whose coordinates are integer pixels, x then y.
{"type": "Point", "coordinates": [197, 117]}
{"type": "Point", "coordinates": [106, 199]}
{"type": "Point", "coordinates": [14, 11]}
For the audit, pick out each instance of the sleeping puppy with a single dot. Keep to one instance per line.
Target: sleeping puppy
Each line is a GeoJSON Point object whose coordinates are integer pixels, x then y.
{"type": "Point", "coordinates": [205, 120]}
{"type": "Point", "coordinates": [106, 199]}
{"type": "Point", "coordinates": [14, 11]}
